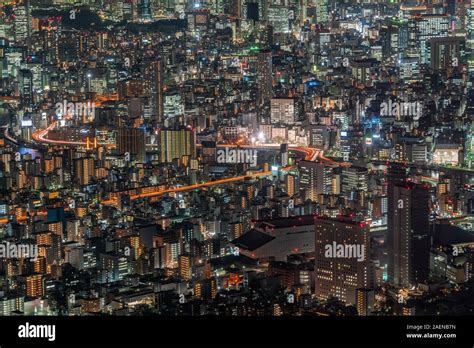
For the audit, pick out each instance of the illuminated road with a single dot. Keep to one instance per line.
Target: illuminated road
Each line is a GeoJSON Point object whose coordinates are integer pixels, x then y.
{"type": "Point", "coordinates": [7, 136]}
{"type": "Point", "coordinates": [310, 154]}
{"type": "Point", "coordinates": [40, 136]}
{"type": "Point", "coordinates": [197, 186]}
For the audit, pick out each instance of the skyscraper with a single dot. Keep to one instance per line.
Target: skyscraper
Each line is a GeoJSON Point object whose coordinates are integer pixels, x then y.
{"type": "Point", "coordinates": [354, 179]}
{"type": "Point", "coordinates": [22, 25]}
{"type": "Point", "coordinates": [425, 27]}
{"type": "Point", "coordinates": [339, 274]}
{"type": "Point", "coordinates": [322, 11]}
{"type": "Point", "coordinates": [174, 143]}
{"type": "Point", "coordinates": [35, 285]}
{"type": "Point", "coordinates": [470, 38]}
{"type": "Point", "coordinates": [282, 110]}
{"type": "Point", "coordinates": [264, 76]}
{"type": "Point", "coordinates": [446, 52]}
{"type": "Point", "coordinates": [409, 236]}
{"type": "Point", "coordinates": [396, 174]}
{"type": "Point", "coordinates": [184, 264]}
{"type": "Point", "coordinates": [470, 27]}
{"type": "Point", "coordinates": [131, 141]}
{"type": "Point", "coordinates": [84, 169]}
{"type": "Point", "coordinates": [154, 78]}
{"type": "Point", "coordinates": [26, 85]}
{"type": "Point", "coordinates": [316, 178]}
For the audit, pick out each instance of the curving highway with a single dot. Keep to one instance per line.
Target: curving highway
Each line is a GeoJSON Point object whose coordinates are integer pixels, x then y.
{"type": "Point", "coordinates": [310, 154]}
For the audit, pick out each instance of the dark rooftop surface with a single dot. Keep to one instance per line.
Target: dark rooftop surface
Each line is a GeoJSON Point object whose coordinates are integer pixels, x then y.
{"type": "Point", "coordinates": [252, 240]}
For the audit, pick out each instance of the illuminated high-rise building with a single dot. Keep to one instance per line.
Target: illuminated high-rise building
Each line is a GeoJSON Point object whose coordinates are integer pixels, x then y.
{"type": "Point", "coordinates": [206, 289]}
{"type": "Point", "coordinates": [35, 286]}
{"type": "Point", "coordinates": [365, 301]}
{"type": "Point", "coordinates": [316, 179]}
{"type": "Point", "coordinates": [354, 179]}
{"type": "Point", "coordinates": [264, 76]}
{"type": "Point", "coordinates": [158, 88]}
{"type": "Point", "coordinates": [174, 143]}
{"type": "Point", "coordinates": [470, 26]}
{"type": "Point", "coordinates": [278, 18]}
{"type": "Point", "coordinates": [409, 234]}
{"type": "Point", "coordinates": [131, 141]}
{"type": "Point", "coordinates": [339, 274]}
{"type": "Point", "coordinates": [322, 12]}
{"type": "Point", "coordinates": [446, 52]}
{"type": "Point", "coordinates": [235, 230]}
{"type": "Point", "coordinates": [425, 27]}
{"type": "Point", "coordinates": [22, 25]}
{"type": "Point", "coordinates": [302, 11]}
{"type": "Point", "coordinates": [154, 75]}
{"type": "Point", "coordinates": [145, 10]}
{"type": "Point", "coordinates": [184, 264]}
{"type": "Point", "coordinates": [9, 304]}
{"type": "Point", "coordinates": [26, 85]}
{"type": "Point", "coordinates": [84, 169]}
{"type": "Point", "coordinates": [172, 104]}
{"type": "Point", "coordinates": [290, 184]}
{"type": "Point", "coordinates": [282, 110]}
{"type": "Point", "coordinates": [470, 36]}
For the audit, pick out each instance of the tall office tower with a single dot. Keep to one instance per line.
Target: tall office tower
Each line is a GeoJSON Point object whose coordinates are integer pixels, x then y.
{"type": "Point", "coordinates": [131, 141]}
{"type": "Point", "coordinates": [84, 169]}
{"type": "Point", "coordinates": [365, 301]}
{"type": "Point", "coordinates": [302, 11]}
{"type": "Point", "coordinates": [263, 9]}
{"type": "Point", "coordinates": [409, 233]}
{"type": "Point", "coordinates": [264, 76]}
{"type": "Point", "coordinates": [145, 10]}
{"type": "Point", "coordinates": [154, 76]}
{"type": "Point", "coordinates": [26, 86]}
{"type": "Point", "coordinates": [282, 110]}
{"type": "Point", "coordinates": [284, 154]}
{"type": "Point", "coordinates": [322, 12]}
{"type": "Point", "coordinates": [470, 36]}
{"type": "Point", "coordinates": [158, 92]}
{"type": "Point", "coordinates": [291, 184]}
{"type": "Point", "coordinates": [446, 52]}
{"type": "Point", "coordinates": [342, 264]}
{"type": "Point", "coordinates": [470, 25]}
{"type": "Point", "coordinates": [174, 143]}
{"type": "Point", "coordinates": [173, 104]}
{"type": "Point", "coordinates": [425, 27]}
{"type": "Point", "coordinates": [396, 174]}
{"type": "Point", "coordinates": [278, 17]}
{"type": "Point", "coordinates": [315, 178]}
{"type": "Point", "coordinates": [354, 179]}
{"type": "Point", "coordinates": [252, 11]}
{"type": "Point", "coordinates": [22, 25]}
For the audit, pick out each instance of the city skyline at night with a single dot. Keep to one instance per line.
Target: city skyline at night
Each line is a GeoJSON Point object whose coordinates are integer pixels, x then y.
{"type": "Point", "coordinates": [236, 158]}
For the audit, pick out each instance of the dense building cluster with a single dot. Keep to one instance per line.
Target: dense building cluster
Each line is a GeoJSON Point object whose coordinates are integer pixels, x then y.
{"type": "Point", "coordinates": [236, 157]}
